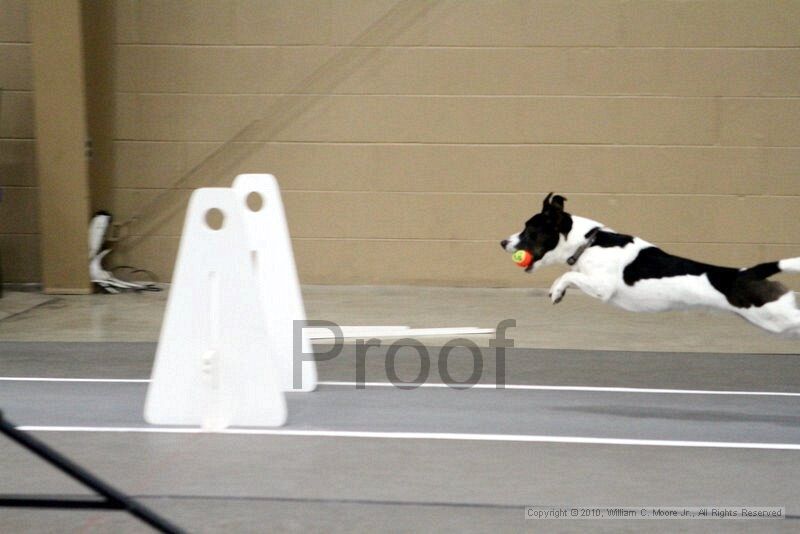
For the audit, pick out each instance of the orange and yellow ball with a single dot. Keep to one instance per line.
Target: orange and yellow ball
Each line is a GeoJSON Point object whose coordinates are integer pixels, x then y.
{"type": "Point", "coordinates": [523, 258]}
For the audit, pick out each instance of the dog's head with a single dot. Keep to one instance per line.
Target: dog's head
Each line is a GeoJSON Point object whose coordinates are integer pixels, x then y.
{"type": "Point", "coordinates": [542, 232]}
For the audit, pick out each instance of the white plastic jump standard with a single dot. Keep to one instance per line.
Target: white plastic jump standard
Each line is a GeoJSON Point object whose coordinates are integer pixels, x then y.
{"type": "Point", "coordinates": [215, 364]}
{"type": "Point", "coordinates": [226, 351]}
{"type": "Point", "coordinates": [276, 274]}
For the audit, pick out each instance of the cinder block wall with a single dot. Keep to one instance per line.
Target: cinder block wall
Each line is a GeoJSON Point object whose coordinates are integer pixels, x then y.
{"type": "Point", "coordinates": [19, 239]}
{"type": "Point", "coordinates": [411, 136]}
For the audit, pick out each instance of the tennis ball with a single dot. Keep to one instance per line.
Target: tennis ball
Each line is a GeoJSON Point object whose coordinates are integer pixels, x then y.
{"type": "Point", "coordinates": [523, 258]}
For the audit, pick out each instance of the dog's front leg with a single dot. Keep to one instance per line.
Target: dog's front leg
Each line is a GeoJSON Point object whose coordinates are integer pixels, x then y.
{"type": "Point", "coordinates": [590, 286]}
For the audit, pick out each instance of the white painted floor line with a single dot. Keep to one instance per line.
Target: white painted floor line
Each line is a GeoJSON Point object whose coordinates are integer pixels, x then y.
{"type": "Point", "coordinates": [426, 435]}
{"type": "Point", "coordinates": [577, 388]}
{"type": "Point", "coordinates": [108, 380]}
{"type": "Point", "coordinates": [531, 387]}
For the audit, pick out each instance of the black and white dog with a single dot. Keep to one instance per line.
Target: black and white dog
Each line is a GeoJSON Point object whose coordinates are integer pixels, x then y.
{"type": "Point", "coordinates": [636, 275]}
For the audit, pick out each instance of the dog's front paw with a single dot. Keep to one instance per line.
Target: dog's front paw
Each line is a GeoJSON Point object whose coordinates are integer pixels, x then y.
{"type": "Point", "coordinates": [557, 291]}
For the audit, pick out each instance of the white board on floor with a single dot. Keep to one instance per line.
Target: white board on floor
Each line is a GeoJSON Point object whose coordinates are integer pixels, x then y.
{"type": "Point", "coordinates": [444, 331]}
{"type": "Point", "coordinates": [349, 332]}
{"type": "Point", "coordinates": [276, 274]}
{"type": "Point", "coordinates": [212, 365]}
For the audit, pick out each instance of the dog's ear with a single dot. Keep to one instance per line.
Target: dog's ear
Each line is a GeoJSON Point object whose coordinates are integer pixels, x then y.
{"type": "Point", "coordinates": [546, 203]}
{"type": "Point", "coordinates": [555, 213]}
{"type": "Point", "coordinates": [558, 202]}
{"type": "Point", "coordinates": [553, 204]}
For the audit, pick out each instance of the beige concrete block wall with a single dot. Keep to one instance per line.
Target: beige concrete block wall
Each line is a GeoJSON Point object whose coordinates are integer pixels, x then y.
{"type": "Point", "coordinates": [19, 227]}
{"type": "Point", "coordinates": [410, 136]}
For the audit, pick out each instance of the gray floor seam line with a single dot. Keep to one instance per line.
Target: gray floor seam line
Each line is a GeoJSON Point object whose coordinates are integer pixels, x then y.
{"type": "Point", "coordinates": [361, 501]}
{"type": "Point", "coordinates": [371, 502]}
{"type": "Point", "coordinates": [367, 502]}
{"type": "Point", "coordinates": [251, 498]}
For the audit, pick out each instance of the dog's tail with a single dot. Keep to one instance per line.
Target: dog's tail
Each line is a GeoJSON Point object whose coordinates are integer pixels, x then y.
{"type": "Point", "coordinates": [765, 270]}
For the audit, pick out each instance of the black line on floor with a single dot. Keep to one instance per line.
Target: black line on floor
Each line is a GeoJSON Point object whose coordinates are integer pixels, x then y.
{"type": "Point", "coordinates": [34, 307]}
{"type": "Point", "coordinates": [57, 501]}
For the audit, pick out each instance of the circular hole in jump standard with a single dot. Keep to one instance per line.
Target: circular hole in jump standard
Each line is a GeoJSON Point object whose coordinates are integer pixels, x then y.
{"type": "Point", "coordinates": [215, 219]}
{"type": "Point", "coordinates": [254, 201]}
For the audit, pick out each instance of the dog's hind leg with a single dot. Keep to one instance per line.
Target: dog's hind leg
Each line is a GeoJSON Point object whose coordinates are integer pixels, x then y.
{"type": "Point", "coordinates": [780, 316]}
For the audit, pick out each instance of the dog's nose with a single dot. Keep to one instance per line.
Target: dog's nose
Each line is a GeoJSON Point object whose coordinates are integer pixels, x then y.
{"type": "Point", "coordinates": [503, 243]}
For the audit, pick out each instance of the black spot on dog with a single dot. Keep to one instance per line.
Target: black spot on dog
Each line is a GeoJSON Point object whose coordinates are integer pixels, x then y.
{"type": "Point", "coordinates": [610, 239]}
{"type": "Point", "coordinates": [748, 292]}
{"type": "Point", "coordinates": [763, 270]}
{"type": "Point", "coordinates": [742, 289]}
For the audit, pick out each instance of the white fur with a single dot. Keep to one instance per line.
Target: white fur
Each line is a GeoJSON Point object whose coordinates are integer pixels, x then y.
{"type": "Point", "coordinates": [791, 265]}
{"type": "Point", "coordinates": [599, 273]}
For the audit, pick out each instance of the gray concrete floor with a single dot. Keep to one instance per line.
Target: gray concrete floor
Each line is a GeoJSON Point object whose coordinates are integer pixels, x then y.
{"type": "Point", "coordinates": [257, 483]}
{"type": "Point", "coordinates": [578, 322]}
